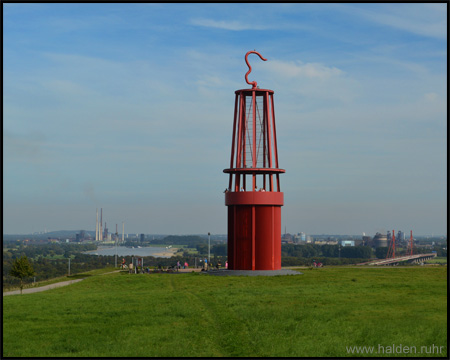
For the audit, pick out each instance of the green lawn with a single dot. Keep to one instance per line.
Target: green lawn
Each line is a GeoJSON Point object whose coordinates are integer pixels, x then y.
{"type": "Point", "coordinates": [437, 260]}
{"type": "Point", "coordinates": [319, 313]}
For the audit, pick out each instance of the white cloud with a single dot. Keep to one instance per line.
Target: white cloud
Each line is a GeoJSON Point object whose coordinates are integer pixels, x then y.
{"type": "Point", "coordinates": [226, 25]}
{"type": "Point", "coordinates": [302, 70]}
{"type": "Point", "coordinates": [307, 85]}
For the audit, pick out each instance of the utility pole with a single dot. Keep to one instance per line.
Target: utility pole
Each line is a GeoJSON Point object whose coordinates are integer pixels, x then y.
{"type": "Point", "coordinates": [69, 267]}
{"type": "Point", "coordinates": [209, 249]}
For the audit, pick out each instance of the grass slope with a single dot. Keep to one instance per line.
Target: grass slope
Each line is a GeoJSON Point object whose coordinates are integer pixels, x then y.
{"type": "Point", "coordinates": [62, 278]}
{"type": "Point", "coordinates": [319, 313]}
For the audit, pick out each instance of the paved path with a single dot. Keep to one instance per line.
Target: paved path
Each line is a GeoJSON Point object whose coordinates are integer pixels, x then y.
{"type": "Point", "coordinates": [42, 288]}
{"type": "Point", "coordinates": [48, 287]}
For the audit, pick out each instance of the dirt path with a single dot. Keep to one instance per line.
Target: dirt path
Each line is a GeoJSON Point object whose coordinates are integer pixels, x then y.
{"type": "Point", "coordinates": [48, 287]}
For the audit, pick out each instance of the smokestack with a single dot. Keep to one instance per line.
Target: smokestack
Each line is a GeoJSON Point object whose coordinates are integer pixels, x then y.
{"type": "Point", "coordinates": [101, 224]}
{"type": "Point", "coordinates": [123, 228]}
{"type": "Point", "coordinates": [96, 227]}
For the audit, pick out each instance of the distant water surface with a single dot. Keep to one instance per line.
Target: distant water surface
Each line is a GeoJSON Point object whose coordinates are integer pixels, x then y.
{"type": "Point", "coordinates": [156, 251]}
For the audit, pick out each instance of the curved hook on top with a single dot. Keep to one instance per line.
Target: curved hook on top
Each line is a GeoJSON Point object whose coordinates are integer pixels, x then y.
{"type": "Point", "coordinates": [253, 83]}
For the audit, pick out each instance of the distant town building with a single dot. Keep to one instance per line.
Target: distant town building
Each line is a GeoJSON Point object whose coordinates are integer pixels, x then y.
{"type": "Point", "coordinates": [287, 238]}
{"type": "Point", "coordinates": [367, 240]}
{"type": "Point", "coordinates": [347, 243]}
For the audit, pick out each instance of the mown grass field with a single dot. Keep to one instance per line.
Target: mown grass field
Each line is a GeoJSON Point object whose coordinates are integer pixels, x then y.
{"type": "Point", "coordinates": [437, 260]}
{"type": "Point", "coordinates": [319, 313]}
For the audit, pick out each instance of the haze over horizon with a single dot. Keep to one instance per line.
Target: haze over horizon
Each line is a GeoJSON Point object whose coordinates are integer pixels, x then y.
{"type": "Point", "coordinates": [129, 108]}
{"type": "Point", "coordinates": [133, 233]}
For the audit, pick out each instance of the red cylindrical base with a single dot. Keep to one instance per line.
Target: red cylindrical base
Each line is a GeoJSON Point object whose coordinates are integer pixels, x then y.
{"type": "Point", "coordinates": [254, 237]}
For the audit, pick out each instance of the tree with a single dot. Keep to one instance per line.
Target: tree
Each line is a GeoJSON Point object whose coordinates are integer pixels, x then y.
{"type": "Point", "coordinates": [219, 249]}
{"type": "Point", "coordinates": [21, 268]}
{"type": "Point", "coordinates": [381, 252]}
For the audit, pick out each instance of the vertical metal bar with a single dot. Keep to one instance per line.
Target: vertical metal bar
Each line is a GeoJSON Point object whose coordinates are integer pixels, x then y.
{"type": "Point", "coordinates": [273, 238]}
{"type": "Point", "coordinates": [264, 137]}
{"type": "Point", "coordinates": [230, 183]}
{"type": "Point", "coordinates": [263, 130]}
{"type": "Point", "coordinates": [234, 130]}
{"type": "Point", "coordinates": [234, 237]}
{"type": "Point", "coordinates": [254, 139]}
{"type": "Point", "coordinates": [243, 147]}
{"type": "Point", "coordinates": [269, 140]}
{"type": "Point", "coordinates": [254, 127]}
{"type": "Point", "coordinates": [244, 131]}
{"type": "Point", "coordinates": [275, 147]}
{"type": "Point", "coordinates": [239, 137]}
{"type": "Point", "coordinates": [268, 130]}
{"type": "Point", "coordinates": [239, 143]}
{"type": "Point", "coordinates": [253, 237]}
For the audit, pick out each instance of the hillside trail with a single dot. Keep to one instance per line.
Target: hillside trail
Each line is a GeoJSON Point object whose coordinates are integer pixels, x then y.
{"type": "Point", "coordinates": [48, 287]}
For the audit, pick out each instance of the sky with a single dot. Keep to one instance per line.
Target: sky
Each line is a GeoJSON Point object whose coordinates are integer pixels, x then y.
{"type": "Point", "coordinates": [129, 108]}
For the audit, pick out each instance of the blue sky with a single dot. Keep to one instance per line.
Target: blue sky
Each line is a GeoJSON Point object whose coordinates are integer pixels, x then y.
{"type": "Point", "coordinates": [129, 107]}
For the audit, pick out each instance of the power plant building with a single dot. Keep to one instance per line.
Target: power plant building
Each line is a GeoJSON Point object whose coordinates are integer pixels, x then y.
{"type": "Point", "coordinates": [380, 240]}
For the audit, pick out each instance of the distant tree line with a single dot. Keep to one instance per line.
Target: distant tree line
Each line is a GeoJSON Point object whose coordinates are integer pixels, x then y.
{"type": "Point", "coordinates": [326, 251]}
{"type": "Point", "coordinates": [301, 261]}
{"type": "Point", "coordinates": [190, 240]}
{"type": "Point", "coordinates": [45, 250]}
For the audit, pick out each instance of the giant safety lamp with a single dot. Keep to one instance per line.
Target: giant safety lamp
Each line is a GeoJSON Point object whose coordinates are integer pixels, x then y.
{"type": "Point", "coordinates": [254, 197]}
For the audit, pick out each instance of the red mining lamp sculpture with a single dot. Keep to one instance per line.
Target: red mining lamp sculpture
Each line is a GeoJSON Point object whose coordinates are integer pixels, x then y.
{"type": "Point", "coordinates": [254, 197]}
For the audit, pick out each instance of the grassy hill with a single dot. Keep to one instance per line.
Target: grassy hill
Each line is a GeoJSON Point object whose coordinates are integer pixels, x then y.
{"type": "Point", "coordinates": [319, 313]}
